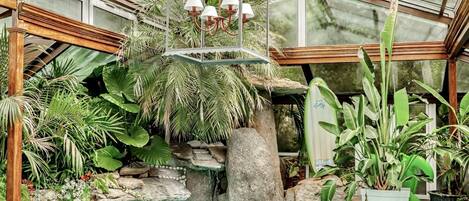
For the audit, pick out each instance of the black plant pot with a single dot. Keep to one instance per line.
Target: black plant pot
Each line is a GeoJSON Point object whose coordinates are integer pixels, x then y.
{"type": "Point", "coordinates": [439, 196]}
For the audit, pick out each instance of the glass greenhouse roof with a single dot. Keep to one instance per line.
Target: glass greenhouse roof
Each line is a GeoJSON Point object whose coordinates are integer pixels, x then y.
{"type": "Point", "coordinates": [329, 22]}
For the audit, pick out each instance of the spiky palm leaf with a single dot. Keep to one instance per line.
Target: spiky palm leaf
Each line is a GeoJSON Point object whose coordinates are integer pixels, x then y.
{"type": "Point", "coordinates": [191, 101]}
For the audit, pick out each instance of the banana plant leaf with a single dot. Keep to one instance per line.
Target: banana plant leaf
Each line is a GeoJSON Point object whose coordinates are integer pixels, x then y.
{"type": "Point", "coordinates": [328, 190]}
{"type": "Point", "coordinates": [415, 165]}
{"type": "Point", "coordinates": [318, 101]}
{"type": "Point", "coordinates": [401, 107]}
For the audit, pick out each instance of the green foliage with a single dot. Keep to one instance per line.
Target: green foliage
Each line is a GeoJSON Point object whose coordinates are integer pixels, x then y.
{"type": "Point", "coordinates": [119, 82]}
{"type": "Point", "coordinates": [120, 102]}
{"type": "Point", "coordinates": [107, 158]}
{"type": "Point", "coordinates": [452, 147]}
{"type": "Point", "coordinates": [157, 153]}
{"type": "Point", "coordinates": [385, 140]}
{"type": "Point", "coordinates": [328, 190]}
{"type": "Point", "coordinates": [192, 101]}
{"type": "Point", "coordinates": [137, 137]}
{"type": "Point", "coordinates": [25, 196]}
{"type": "Point", "coordinates": [102, 183]}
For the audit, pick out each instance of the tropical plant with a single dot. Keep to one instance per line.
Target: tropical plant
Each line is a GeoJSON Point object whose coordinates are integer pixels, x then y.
{"type": "Point", "coordinates": [150, 149]}
{"type": "Point", "coordinates": [386, 142]}
{"type": "Point", "coordinates": [452, 146]}
{"type": "Point", "coordinates": [187, 100]}
{"type": "Point", "coordinates": [63, 124]}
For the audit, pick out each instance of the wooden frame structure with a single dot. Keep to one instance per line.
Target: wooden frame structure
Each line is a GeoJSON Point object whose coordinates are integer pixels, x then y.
{"type": "Point", "coordinates": [28, 19]}
{"type": "Point", "coordinates": [32, 20]}
{"type": "Point", "coordinates": [407, 51]}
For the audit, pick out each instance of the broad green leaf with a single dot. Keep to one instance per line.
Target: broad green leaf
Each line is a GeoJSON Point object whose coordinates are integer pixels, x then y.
{"type": "Point", "coordinates": [372, 94]}
{"type": "Point", "coordinates": [387, 34]}
{"type": "Point", "coordinates": [136, 136]}
{"type": "Point", "coordinates": [393, 173]}
{"type": "Point", "coordinates": [349, 116]}
{"type": "Point", "coordinates": [119, 101]}
{"type": "Point", "coordinates": [331, 128]}
{"type": "Point", "coordinates": [414, 165]}
{"type": "Point", "coordinates": [107, 158]}
{"type": "Point", "coordinates": [328, 190]}
{"type": "Point", "coordinates": [346, 136]}
{"type": "Point", "coordinates": [351, 190]}
{"type": "Point", "coordinates": [370, 132]}
{"type": "Point", "coordinates": [464, 105]}
{"type": "Point", "coordinates": [327, 94]}
{"type": "Point", "coordinates": [370, 114]}
{"type": "Point", "coordinates": [325, 171]}
{"type": "Point", "coordinates": [401, 107]}
{"type": "Point", "coordinates": [367, 65]}
{"type": "Point", "coordinates": [157, 153]}
{"type": "Point", "coordinates": [367, 163]}
{"type": "Point", "coordinates": [435, 94]}
{"type": "Point", "coordinates": [309, 126]}
{"type": "Point", "coordinates": [119, 82]}
{"type": "Point", "coordinates": [413, 197]}
{"type": "Point", "coordinates": [415, 127]}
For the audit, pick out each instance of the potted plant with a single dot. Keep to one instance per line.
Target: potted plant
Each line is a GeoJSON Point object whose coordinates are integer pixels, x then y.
{"type": "Point", "coordinates": [386, 142]}
{"type": "Point", "coordinates": [452, 151]}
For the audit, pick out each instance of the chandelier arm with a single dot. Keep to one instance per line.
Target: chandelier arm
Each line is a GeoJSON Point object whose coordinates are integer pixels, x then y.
{"type": "Point", "coordinates": [226, 29]}
{"type": "Point", "coordinates": [199, 26]}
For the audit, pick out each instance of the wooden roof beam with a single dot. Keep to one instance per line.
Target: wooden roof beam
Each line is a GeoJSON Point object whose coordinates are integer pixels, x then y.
{"type": "Point", "coordinates": [49, 25]}
{"type": "Point", "coordinates": [413, 11]}
{"type": "Point", "coordinates": [10, 4]}
{"type": "Point", "coordinates": [44, 58]}
{"type": "Point", "coordinates": [458, 31]}
{"type": "Point", "coordinates": [403, 51]}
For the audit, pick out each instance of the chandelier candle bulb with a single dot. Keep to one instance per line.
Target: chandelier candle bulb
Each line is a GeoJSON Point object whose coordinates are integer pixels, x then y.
{"type": "Point", "coordinates": [193, 6]}
{"type": "Point", "coordinates": [230, 5]}
{"type": "Point", "coordinates": [209, 13]}
{"type": "Point", "coordinates": [247, 11]}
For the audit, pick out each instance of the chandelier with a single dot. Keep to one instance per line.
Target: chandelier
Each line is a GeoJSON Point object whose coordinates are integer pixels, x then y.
{"type": "Point", "coordinates": [230, 17]}
{"type": "Point", "coordinates": [214, 21]}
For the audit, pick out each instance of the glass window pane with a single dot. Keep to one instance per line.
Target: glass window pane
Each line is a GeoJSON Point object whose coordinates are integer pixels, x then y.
{"type": "Point", "coordinates": [294, 73]}
{"type": "Point", "coordinates": [284, 23]}
{"type": "Point", "coordinates": [67, 8]}
{"type": "Point", "coordinates": [430, 72]}
{"type": "Point", "coordinates": [462, 76]}
{"type": "Point", "coordinates": [341, 78]}
{"type": "Point", "coordinates": [347, 78]}
{"type": "Point", "coordinates": [108, 20]}
{"type": "Point", "coordinates": [354, 22]}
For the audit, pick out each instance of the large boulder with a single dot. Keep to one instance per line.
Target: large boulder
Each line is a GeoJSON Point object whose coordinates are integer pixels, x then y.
{"type": "Point", "coordinates": [264, 123]}
{"type": "Point", "coordinates": [309, 190]}
{"type": "Point", "coordinates": [164, 190]}
{"type": "Point", "coordinates": [250, 169]}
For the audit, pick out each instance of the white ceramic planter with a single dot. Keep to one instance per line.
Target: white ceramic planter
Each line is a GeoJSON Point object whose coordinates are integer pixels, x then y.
{"type": "Point", "coordinates": [380, 195]}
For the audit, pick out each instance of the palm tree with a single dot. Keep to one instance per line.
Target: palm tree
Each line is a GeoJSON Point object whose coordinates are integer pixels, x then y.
{"type": "Point", "coordinates": [187, 100]}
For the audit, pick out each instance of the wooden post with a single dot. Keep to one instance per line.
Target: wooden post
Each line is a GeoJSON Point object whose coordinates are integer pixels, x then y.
{"type": "Point", "coordinates": [452, 90]}
{"type": "Point", "coordinates": [15, 131]}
